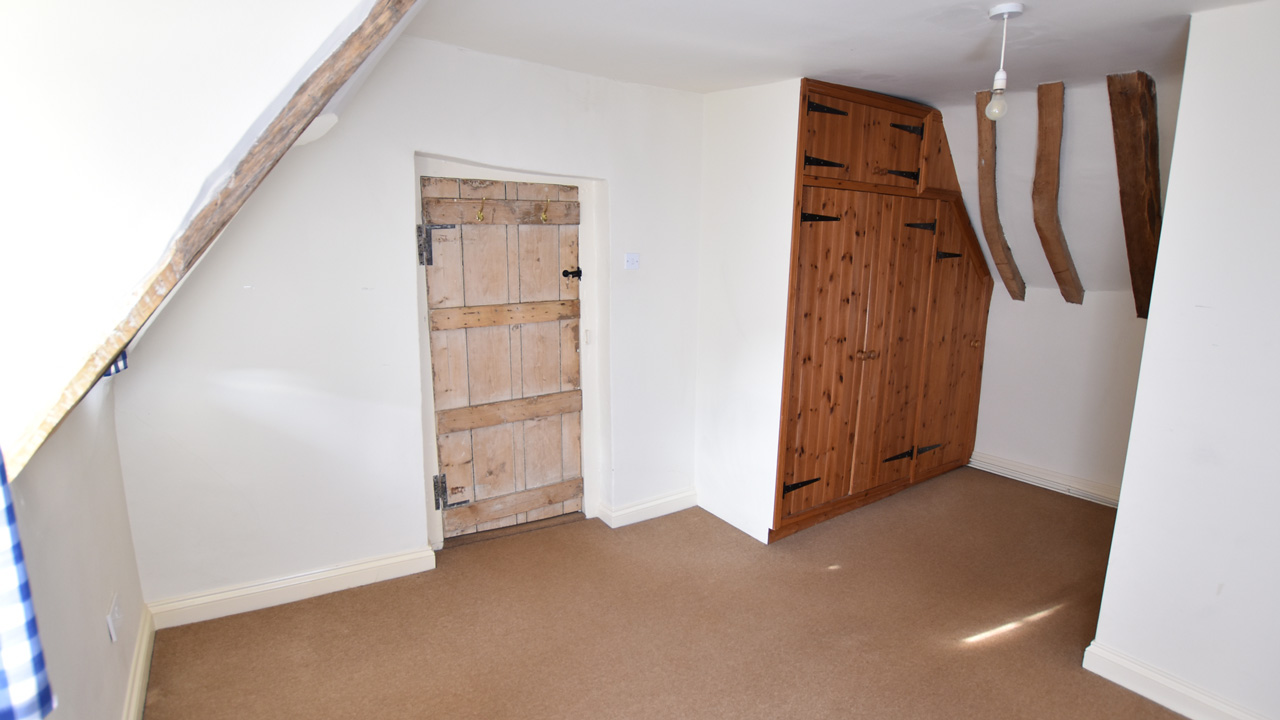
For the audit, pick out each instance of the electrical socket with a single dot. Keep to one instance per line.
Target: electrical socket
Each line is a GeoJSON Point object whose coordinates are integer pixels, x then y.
{"type": "Point", "coordinates": [113, 616]}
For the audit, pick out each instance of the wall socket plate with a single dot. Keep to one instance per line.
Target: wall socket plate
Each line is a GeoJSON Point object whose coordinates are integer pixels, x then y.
{"type": "Point", "coordinates": [631, 261]}
{"type": "Point", "coordinates": [114, 616]}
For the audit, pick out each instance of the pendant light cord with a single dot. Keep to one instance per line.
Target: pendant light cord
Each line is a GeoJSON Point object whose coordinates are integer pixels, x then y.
{"type": "Point", "coordinates": [1003, 39]}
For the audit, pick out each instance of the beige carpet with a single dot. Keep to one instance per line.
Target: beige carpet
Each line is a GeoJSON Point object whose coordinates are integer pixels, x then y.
{"type": "Point", "coordinates": [864, 616]}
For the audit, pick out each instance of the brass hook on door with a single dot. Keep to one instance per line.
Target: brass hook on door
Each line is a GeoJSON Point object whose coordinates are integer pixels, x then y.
{"type": "Point", "coordinates": [480, 212]}
{"type": "Point", "coordinates": [545, 208]}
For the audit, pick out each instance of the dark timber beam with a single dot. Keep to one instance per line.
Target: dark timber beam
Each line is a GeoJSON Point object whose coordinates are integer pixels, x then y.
{"type": "Point", "coordinates": [1044, 193]}
{"type": "Point", "coordinates": [1001, 255]}
{"type": "Point", "coordinates": [1133, 123]}
{"type": "Point", "coordinates": [199, 233]}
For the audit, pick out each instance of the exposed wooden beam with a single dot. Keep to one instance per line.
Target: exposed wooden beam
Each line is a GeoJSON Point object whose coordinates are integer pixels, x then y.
{"type": "Point", "coordinates": [1044, 192]}
{"type": "Point", "coordinates": [1001, 255]}
{"type": "Point", "coordinates": [1137, 137]}
{"type": "Point", "coordinates": [183, 252]}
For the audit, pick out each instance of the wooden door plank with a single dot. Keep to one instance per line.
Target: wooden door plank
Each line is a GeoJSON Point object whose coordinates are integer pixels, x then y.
{"type": "Point", "coordinates": [518, 464]}
{"type": "Point", "coordinates": [449, 369]}
{"type": "Point", "coordinates": [493, 461]}
{"type": "Point", "coordinates": [937, 171]}
{"type": "Point", "coordinates": [478, 416]}
{"type": "Point", "coordinates": [1137, 141]}
{"type": "Point", "coordinates": [1044, 192]}
{"type": "Point", "coordinates": [543, 451]}
{"type": "Point", "coordinates": [444, 275]}
{"type": "Point", "coordinates": [487, 510]}
{"type": "Point", "coordinates": [493, 211]}
{"type": "Point", "coordinates": [479, 316]}
{"type": "Point", "coordinates": [569, 286]}
{"type": "Point", "coordinates": [570, 359]}
{"type": "Point", "coordinates": [484, 189]}
{"type": "Point", "coordinates": [489, 364]}
{"type": "Point", "coordinates": [540, 358]}
{"type": "Point", "coordinates": [439, 187]}
{"type": "Point", "coordinates": [571, 451]}
{"type": "Point", "coordinates": [539, 262]}
{"type": "Point", "coordinates": [456, 466]}
{"type": "Point", "coordinates": [484, 265]}
{"type": "Point", "coordinates": [1001, 254]}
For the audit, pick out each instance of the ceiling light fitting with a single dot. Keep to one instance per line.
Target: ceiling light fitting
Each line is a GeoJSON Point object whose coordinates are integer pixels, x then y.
{"type": "Point", "coordinates": [997, 108]}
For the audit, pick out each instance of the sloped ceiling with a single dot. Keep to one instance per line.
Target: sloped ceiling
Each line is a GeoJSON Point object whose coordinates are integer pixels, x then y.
{"type": "Point", "coordinates": [935, 51]}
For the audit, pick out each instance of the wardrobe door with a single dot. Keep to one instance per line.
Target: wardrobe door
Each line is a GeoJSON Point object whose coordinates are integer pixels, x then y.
{"type": "Point", "coordinates": [890, 355]}
{"type": "Point", "coordinates": [834, 269]}
{"type": "Point", "coordinates": [847, 140]}
{"type": "Point", "coordinates": [958, 301]}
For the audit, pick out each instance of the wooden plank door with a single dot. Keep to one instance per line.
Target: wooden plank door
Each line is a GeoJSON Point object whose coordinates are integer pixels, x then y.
{"type": "Point", "coordinates": [958, 305]}
{"type": "Point", "coordinates": [891, 352]}
{"type": "Point", "coordinates": [504, 316]}
{"type": "Point", "coordinates": [834, 272]}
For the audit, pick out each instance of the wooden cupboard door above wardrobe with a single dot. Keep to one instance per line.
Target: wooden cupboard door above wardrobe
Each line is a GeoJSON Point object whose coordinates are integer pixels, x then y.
{"type": "Point", "coordinates": [846, 140]}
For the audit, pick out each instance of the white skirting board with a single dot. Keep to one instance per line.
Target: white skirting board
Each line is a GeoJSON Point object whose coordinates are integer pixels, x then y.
{"type": "Point", "coordinates": [648, 510]}
{"type": "Point", "coordinates": [135, 697]}
{"type": "Point", "coordinates": [231, 601]}
{"type": "Point", "coordinates": [1161, 687]}
{"type": "Point", "coordinates": [1101, 493]}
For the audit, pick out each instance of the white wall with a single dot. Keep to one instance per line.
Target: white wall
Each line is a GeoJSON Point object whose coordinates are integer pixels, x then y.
{"type": "Point", "coordinates": [273, 425]}
{"type": "Point", "coordinates": [75, 533]}
{"type": "Point", "coordinates": [748, 178]}
{"type": "Point", "coordinates": [1189, 609]}
{"type": "Point", "coordinates": [106, 151]}
{"type": "Point", "coordinates": [1059, 379]}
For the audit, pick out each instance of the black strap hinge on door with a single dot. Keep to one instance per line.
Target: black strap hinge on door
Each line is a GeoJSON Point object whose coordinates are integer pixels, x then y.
{"type": "Point", "coordinates": [424, 241]}
{"type": "Point", "coordinates": [814, 217]}
{"type": "Point", "coordinates": [441, 487]}
{"type": "Point", "coordinates": [820, 108]}
{"type": "Point", "coordinates": [945, 255]}
{"type": "Point", "coordinates": [810, 161]}
{"type": "Point", "coordinates": [796, 486]}
{"type": "Point", "coordinates": [902, 456]}
{"type": "Point", "coordinates": [930, 226]}
{"type": "Point", "coordinates": [912, 175]}
{"type": "Point", "coordinates": [913, 129]}
{"type": "Point", "coordinates": [927, 448]}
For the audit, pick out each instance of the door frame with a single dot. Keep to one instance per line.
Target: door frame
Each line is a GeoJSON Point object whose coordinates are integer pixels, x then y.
{"type": "Point", "coordinates": [593, 256]}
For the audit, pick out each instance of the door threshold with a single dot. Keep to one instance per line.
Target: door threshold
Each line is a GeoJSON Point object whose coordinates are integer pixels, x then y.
{"type": "Point", "coordinates": [476, 537]}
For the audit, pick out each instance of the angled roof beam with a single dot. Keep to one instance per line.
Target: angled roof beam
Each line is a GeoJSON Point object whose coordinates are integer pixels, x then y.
{"type": "Point", "coordinates": [1044, 193]}
{"type": "Point", "coordinates": [199, 233]}
{"type": "Point", "coordinates": [1001, 255]}
{"type": "Point", "coordinates": [1133, 124]}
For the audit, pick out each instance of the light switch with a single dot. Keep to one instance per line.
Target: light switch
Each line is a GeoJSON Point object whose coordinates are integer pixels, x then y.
{"type": "Point", "coordinates": [631, 261]}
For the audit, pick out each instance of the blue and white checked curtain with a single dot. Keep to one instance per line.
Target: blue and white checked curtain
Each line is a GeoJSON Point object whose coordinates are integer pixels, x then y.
{"type": "Point", "coordinates": [24, 684]}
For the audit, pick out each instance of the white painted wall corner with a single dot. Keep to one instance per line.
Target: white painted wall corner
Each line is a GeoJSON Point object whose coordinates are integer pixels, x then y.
{"type": "Point", "coordinates": [1101, 493]}
{"type": "Point", "coordinates": [140, 671]}
{"type": "Point", "coordinates": [1159, 686]}
{"type": "Point", "coordinates": [232, 601]}
{"type": "Point", "coordinates": [647, 510]}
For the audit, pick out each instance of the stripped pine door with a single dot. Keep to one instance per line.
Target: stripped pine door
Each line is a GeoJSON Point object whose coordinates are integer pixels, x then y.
{"type": "Point", "coordinates": [502, 293]}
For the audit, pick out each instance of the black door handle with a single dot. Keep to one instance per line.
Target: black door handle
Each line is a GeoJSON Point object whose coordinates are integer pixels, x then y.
{"type": "Point", "coordinates": [576, 273]}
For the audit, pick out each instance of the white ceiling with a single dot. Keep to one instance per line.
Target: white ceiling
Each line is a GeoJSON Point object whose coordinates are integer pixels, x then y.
{"type": "Point", "coordinates": [935, 51]}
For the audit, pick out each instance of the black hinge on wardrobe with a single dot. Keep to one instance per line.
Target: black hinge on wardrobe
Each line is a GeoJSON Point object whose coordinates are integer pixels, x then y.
{"type": "Point", "coordinates": [930, 226]}
{"type": "Point", "coordinates": [912, 175]}
{"type": "Point", "coordinates": [441, 488]}
{"type": "Point", "coordinates": [820, 108]}
{"type": "Point", "coordinates": [913, 129]}
{"type": "Point", "coordinates": [927, 448]}
{"type": "Point", "coordinates": [810, 161]}
{"type": "Point", "coordinates": [796, 486]}
{"type": "Point", "coordinates": [944, 255]}
{"type": "Point", "coordinates": [814, 217]}
{"type": "Point", "coordinates": [902, 456]}
{"type": "Point", "coordinates": [424, 241]}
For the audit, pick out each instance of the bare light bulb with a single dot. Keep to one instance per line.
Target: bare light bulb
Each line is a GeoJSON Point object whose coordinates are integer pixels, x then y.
{"type": "Point", "coordinates": [998, 107]}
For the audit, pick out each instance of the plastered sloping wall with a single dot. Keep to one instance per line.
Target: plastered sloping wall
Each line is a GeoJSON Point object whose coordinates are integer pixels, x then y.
{"type": "Point", "coordinates": [274, 424]}
{"type": "Point", "coordinates": [1189, 609]}
{"type": "Point", "coordinates": [119, 119]}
